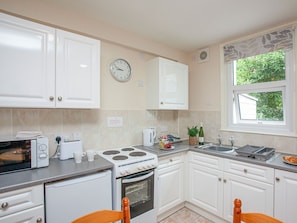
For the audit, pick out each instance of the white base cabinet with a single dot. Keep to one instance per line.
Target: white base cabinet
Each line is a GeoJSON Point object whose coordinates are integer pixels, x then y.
{"type": "Point", "coordinates": [253, 184]}
{"type": "Point", "coordinates": [167, 85]}
{"type": "Point", "coordinates": [215, 182]}
{"type": "Point", "coordinates": [285, 196]}
{"type": "Point", "coordinates": [23, 205]}
{"type": "Point", "coordinates": [205, 182]}
{"type": "Point", "coordinates": [170, 182]}
{"type": "Point", "coordinates": [43, 67]}
{"type": "Point", "coordinates": [33, 215]}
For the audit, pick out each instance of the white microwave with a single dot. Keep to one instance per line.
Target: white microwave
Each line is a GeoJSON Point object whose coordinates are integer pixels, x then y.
{"type": "Point", "coordinates": [22, 154]}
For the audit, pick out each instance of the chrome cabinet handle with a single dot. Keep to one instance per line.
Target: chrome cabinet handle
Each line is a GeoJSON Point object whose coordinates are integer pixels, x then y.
{"type": "Point", "coordinates": [161, 102]}
{"type": "Point", "coordinates": [277, 179]}
{"type": "Point", "coordinates": [39, 220]}
{"type": "Point", "coordinates": [4, 205]}
{"type": "Point", "coordinates": [245, 170]}
{"type": "Point", "coordinates": [225, 181]}
{"type": "Point", "coordinates": [59, 98]}
{"type": "Point", "coordinates": [51, 98]}
{"type": "Point", "coordinates": [220, 179]}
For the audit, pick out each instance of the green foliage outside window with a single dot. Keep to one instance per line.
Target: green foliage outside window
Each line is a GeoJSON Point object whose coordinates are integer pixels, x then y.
{"type": "Point", "coordinates": [264, 68]}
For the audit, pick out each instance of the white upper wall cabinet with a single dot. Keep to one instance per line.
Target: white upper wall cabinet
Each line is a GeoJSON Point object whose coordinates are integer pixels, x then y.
{"type": "Point", "coordinates": [167, 85]}
{"type": "Point", "coordinates": [41, 67]}
{"type": "Point", "coordinates": [27, 63]}
{"type": "Point", "coordinates": [77, 71]}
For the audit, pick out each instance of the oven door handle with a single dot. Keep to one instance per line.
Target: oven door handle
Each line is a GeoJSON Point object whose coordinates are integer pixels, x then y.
{"type": "Point", "coordinates": [142, 177]}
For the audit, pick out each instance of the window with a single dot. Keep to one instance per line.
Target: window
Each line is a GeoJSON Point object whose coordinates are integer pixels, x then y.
{"type": "Point", "coordinates": [259, 83]}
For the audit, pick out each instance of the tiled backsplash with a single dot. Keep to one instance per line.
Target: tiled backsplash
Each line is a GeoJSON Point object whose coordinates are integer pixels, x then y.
{"type": "Point", "coordinates": [92, 125]}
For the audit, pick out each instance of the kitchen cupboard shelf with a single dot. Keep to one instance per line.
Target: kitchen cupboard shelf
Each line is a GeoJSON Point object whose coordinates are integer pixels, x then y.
{"type": "Point", "coordinates": [167, 85]}
{"type": "Point", "coordinates": [43, 67]}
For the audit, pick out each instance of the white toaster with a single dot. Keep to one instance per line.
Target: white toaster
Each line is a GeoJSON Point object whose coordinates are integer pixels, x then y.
{"type": "Point", "coordinates": [68, 148]}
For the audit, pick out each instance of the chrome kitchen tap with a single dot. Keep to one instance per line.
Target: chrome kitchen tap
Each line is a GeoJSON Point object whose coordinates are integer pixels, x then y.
{"type": "Point", "coordinates": [219, 138]}
{"type": "Point", "coordinates": [231, 139]}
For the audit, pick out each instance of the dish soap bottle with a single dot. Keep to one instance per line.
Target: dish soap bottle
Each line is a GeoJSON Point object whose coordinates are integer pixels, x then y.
{"type": "Point", "coordinates": [201, 134]}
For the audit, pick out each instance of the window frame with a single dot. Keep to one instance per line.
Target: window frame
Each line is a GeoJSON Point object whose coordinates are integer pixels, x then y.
{"type": "Point", "coordinates": [288, 87]}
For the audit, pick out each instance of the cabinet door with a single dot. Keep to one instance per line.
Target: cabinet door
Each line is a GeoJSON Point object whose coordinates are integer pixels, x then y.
{"type": "Point", "coordinates": [173, 85]}
{"type": "Point", "coordinates": [27, 63]}
{"type": "Point", "coordinates": [167, 85]}
{"type": "Point", "coordinates": [206, 188]}
{"type": "Point", "coordinates": [285, 196]}
{"type": "Point", "coordinates": [170, 185]}
{"type": "Point", "coordinates": [256, 196]}
{"type": "Point", "coordinates": [32, 215]}
{"type": "Point", "coordinates": [78, 71]}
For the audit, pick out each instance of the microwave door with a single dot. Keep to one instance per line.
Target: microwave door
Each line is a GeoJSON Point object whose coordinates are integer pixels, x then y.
{"type": "Point", "coordinates": [15, 156]}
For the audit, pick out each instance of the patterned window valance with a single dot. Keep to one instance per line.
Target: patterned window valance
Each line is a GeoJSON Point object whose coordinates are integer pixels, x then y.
{"type": "Point", "coordinates": [281, 39]}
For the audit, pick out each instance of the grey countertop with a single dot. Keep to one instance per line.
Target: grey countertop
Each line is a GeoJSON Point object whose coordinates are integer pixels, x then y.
{"type": "Point", "coordinates": [276, 161]}
{"type": "Point", "coordinates": [57, 170]}
{"type": "Point", "coordinates": [60, 170]}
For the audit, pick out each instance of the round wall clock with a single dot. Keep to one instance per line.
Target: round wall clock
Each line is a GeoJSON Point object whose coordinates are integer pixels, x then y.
{"type": "Point", "coordinates": [120, 69]}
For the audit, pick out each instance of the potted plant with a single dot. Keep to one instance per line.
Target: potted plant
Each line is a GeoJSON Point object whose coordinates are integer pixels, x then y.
{"type": "Point", "coordinates": [193, 132]}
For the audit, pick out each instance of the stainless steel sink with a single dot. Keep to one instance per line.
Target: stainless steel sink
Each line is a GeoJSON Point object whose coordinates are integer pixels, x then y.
{"type": "Point", "coordinates": [215, 148]}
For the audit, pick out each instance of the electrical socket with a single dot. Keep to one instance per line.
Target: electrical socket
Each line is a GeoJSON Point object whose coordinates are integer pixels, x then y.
{"type": "Point", "coordinates": [64, 137]}
{"type": "Point", "coordinates": [76, 136]}
{"type": "Point", "coordinates": [68, 136]}
{"type": "Point", "coordinates": [58, 135]}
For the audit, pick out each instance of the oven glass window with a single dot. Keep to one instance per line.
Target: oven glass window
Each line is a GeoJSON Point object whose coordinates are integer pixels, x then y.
{"type": "Point", "coordinates": [140, 193]}
{"type": "Point", "coordinates": [15, 155]}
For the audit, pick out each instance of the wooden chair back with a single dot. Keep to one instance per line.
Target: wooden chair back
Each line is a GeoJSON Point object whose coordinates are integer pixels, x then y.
{"type": "Point", "coordinates": [239, 217]}
{"type": "Point", "coordinates": [107, 216]}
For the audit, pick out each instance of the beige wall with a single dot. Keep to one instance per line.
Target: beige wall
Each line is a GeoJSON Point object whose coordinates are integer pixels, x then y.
{"type": "Point", "coordinates": [128, 99]}
{"type": "Point", "coordinates": [205, 98]}
{"type": "Point", "coordinates": [204, 82]}
{"type": "Point", "coordinates": [48, 13]}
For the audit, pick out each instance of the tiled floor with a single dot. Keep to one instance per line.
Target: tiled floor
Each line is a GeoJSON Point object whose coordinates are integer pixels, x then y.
{"type": "Point", "coordinates": [185, 215]}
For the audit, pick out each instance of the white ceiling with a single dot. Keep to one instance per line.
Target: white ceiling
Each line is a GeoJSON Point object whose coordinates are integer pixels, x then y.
{"type": "Point", "coordinates": [187, 25]}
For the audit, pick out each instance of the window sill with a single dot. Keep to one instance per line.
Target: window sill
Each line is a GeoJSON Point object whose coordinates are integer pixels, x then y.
{"type": "Point", "coordinates": [285, 134]}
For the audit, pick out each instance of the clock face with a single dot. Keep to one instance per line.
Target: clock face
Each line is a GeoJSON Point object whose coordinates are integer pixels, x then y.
{"type": "Point", "coordinates": [120, 69]}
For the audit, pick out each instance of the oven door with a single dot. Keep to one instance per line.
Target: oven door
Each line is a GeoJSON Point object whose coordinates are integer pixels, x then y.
{"type": "Point", "coordinates": [15, 155]}
{"type": "Point", "coordinates": [139, 188]}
